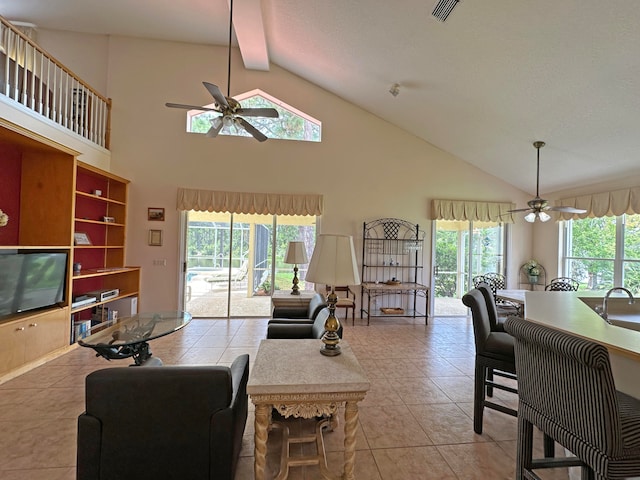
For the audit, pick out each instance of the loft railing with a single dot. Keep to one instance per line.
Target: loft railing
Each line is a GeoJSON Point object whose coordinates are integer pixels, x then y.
{"type": "Point", "coordinates": [31, 76]}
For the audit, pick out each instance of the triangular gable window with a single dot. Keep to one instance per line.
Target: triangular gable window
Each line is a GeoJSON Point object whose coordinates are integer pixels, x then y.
{"type": "Point", "coordinates": [291, 125]}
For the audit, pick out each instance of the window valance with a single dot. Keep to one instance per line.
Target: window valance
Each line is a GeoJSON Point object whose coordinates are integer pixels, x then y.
{"type": "Point", "coordinates": [249, 203]}
{"type": "Point", "coordinates": [472, 211]}
{"type": "Point", "coordinates": [605, 204]}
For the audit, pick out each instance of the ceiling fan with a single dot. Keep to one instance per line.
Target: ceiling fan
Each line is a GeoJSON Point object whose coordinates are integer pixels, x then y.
{"type": "Point", "coordinates": [229, 108]}
{"type": "Point", "coordinates": [538, 206]}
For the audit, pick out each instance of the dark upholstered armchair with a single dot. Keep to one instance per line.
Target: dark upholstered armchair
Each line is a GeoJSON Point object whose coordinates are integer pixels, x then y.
{"type": "Point", "coordinates": [171, 422]}
{"type": "Point", "coordinates": [300, 330]}
{"type": "Point", "coordinates": [306, 314]}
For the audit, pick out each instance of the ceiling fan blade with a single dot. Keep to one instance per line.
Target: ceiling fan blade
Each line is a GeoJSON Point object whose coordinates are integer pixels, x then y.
{"type": "Point", "coordinates": [216, 126]}
{"type": "Point", "coordinates": [216, 94]}
{"type": "Point", "coordinates": [521, 210]}
{"type": "Point", "coordinates": [567, 209]}
{"type": "Point", "coordinates": [191, 107]}
{"type": "Point", "coordinates": [258, 112]}
{"type": "Point", "coordinates": [257, 134]}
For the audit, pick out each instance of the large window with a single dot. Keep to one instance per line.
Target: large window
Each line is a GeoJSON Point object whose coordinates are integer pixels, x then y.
{"type": "Point", "coordinates": [603, 252]}
{"type": "Point", "coordinates": [292, 124]}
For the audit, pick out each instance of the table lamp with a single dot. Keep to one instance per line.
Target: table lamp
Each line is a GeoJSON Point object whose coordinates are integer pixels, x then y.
{"type": "Point", "coordinates": [296, 254]}
{"type": "Point", "coordinates": [333, 263]}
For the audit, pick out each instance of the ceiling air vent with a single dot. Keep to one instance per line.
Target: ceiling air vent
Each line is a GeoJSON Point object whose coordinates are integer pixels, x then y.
{"type": "Point", "coordinates": [443, 8]}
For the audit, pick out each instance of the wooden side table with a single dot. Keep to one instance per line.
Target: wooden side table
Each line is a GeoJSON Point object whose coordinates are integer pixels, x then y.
{"type": "Point", "coordinates": [283, 298]}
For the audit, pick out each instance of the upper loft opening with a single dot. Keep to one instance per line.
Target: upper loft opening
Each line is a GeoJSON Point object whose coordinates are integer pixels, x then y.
{"type": "Point", "coordinates": [291, 125]}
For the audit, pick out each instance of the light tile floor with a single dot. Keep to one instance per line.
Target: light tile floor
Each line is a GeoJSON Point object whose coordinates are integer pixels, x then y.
{"type": "Point", "coordinates": [415, 422]}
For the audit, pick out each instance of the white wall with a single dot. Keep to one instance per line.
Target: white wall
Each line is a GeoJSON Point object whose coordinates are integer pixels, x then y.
{"type": "Point", "coordinates": [83, 54]}
{"type": "Point", "coordinates": [365, 167]}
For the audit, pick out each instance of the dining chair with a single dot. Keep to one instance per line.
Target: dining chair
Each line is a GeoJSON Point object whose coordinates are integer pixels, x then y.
{"type": "Point", "coordinates": [566, 389]}
{"type": "Point", "coordinates": [563, 284]}
{"type": "Point", "coordinates": [497, 281]}
{"type": "Point", "coordinates": [346, 300]}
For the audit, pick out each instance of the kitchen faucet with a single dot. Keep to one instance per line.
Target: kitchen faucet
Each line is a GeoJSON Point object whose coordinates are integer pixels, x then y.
{"type": "Point", "coordinates": [604, 311]}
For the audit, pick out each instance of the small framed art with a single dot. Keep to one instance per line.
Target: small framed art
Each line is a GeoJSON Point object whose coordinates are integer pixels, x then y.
{"type": "Point", "coordinates": [155, 214]}
{"type": "Point", "coordinates": [155, 238]}
{"type": "Point", "coordinates": [81, 238]}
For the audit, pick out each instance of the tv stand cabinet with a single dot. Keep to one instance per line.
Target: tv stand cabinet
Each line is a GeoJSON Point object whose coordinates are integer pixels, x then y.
{"type": "Point", "coordinates": [49, 196]}
{"type": "Point", "coordinates": [32, 336]}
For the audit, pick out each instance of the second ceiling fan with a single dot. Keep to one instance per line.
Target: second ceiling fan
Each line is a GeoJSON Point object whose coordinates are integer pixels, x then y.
{"type": "Point", "coordinates": [539, 206]}
{"type": "Point", "coordinates": [229, 108]}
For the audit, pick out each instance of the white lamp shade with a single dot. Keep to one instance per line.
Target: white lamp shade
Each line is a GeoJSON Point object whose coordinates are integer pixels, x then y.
{"type": "Point", "coordinates": [542, 216]}
{"type": "Point", "coordinates": [334, 261]}
{"type": "Point", "coordinates": [296, 253]}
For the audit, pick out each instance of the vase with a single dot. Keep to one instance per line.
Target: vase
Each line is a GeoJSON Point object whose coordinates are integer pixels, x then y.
{"type": "Point", "coordinates": [533, 279]}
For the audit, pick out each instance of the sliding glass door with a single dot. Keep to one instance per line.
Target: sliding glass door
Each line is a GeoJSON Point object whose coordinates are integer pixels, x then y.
{"type": "Point", "coordinates": [233, 262]}
{"type": "Point", "coordinates": [461, 251]}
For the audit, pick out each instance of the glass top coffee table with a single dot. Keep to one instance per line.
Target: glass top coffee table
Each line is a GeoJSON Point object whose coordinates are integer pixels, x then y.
{"type": "Point", "coordinates": [129, 337]}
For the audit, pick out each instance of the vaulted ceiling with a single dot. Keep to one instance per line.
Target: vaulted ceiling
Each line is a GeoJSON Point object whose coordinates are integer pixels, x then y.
{"type": "Point", "coordinates": [483, 85]}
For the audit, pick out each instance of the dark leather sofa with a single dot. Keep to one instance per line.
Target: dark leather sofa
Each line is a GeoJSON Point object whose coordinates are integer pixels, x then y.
{"type": "Point", "coordinates": [306, 314]}
{"type": "Point", "coordinates": [170, 422]}
{"type": "Point", "coordinates": [296, 329]}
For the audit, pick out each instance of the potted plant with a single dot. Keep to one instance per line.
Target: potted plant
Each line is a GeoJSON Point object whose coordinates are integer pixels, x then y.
{"type": "Point", "coordinates": [533, 271]}
{"type": "Point", "coordinates": [264, 288]}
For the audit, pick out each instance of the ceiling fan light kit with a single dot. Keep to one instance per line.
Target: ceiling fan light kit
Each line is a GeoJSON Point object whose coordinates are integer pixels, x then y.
{"type": "Point", "coordinates": [229, 108]}
{"type": "Point", "coordinates": [531, 217]}
{"type": "Point", "coordinates": [538, 206]}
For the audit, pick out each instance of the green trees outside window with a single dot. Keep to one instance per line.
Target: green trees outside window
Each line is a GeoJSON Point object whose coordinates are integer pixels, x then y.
{"type": "Point", "coordinates": [604, 252]}
{"type": "Point", "coordinates": [290, 125]}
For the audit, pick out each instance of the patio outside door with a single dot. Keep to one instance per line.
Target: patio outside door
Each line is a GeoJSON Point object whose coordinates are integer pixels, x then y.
{"type": "Point", "coordinates": [461, 251]}
{"type": "Point", "coordinates": [233, 262]}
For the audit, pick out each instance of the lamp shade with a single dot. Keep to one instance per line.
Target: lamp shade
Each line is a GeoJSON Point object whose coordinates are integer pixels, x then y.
{"type": "Point", "coordinates": [334, 261]}
{"type": "Point", "coordinates": [542, 216]}
{"type": "Point", "coordinates": [296, 253]}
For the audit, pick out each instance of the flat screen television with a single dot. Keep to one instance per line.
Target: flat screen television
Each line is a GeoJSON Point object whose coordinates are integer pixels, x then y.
{"type": "Point", "coordinates": [30, 281]}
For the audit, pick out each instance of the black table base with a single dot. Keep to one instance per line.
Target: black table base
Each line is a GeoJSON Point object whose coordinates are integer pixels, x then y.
{"type": "Point", "coordinates": [139, 351]}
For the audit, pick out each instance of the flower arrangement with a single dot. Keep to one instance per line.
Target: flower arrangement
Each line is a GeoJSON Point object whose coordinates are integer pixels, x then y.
{"type": "Point", "coordinates": [4, 219]}
{"type": "Point", "coordinates": [532, 267]}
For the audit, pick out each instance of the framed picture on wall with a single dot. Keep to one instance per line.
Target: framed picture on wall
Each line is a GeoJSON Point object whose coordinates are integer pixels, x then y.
{"type": "Point", "coordinates": [155, 238]}
{"type": "Point", "coordinates": [81, 238]}
{"type": "Point", "coordinates": [155, 214]}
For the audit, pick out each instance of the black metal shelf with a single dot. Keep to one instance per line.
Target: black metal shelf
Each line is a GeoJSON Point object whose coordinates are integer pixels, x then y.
{"type": "Point", "coordinates": [392, 251]}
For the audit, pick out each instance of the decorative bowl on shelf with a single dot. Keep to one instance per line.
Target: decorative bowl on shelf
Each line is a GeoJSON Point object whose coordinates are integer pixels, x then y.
{"type": "Point", "coordinates": [392, 310]}
{"type": "Point", "coordinates": [393, 282]}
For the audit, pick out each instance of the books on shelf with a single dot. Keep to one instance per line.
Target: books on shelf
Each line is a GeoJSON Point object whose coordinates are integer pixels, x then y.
{"type": "Point", "coordinates": [103, 313]}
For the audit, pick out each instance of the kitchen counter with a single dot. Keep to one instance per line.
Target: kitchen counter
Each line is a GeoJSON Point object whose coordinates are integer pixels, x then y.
{"type": "Point", "coordinates": [567, 312]}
